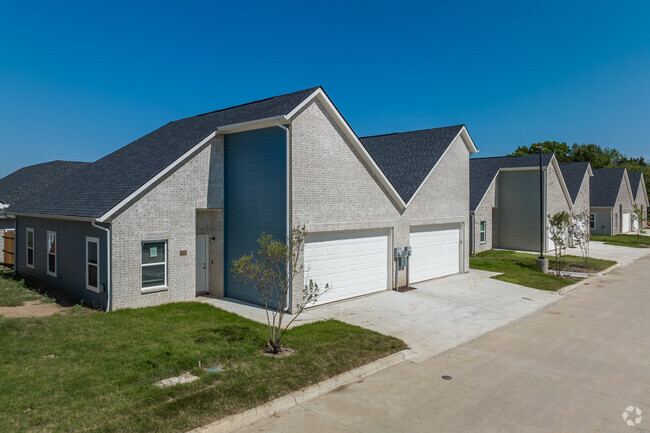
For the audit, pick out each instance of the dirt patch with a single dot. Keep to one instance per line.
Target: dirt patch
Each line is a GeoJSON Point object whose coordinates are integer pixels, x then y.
{"type": "Point", "coordinates": [286, 351]}
{"type": "Point", "coordinates": [33, 309]}
{"type": "Point", "coordinates": [405, 289]}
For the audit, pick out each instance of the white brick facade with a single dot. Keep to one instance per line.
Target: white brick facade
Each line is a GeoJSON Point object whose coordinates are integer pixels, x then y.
{"type": "Point", "coordinates": [332, 189]}
{"type": "Point", "coordinates": [168, 212]}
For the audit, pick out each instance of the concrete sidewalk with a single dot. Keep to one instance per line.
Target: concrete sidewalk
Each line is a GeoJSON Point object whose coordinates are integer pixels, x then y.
{"type": "Point", "coordinates": [574, 366]}
{"type": "Point", "coordinates": [438, 315]}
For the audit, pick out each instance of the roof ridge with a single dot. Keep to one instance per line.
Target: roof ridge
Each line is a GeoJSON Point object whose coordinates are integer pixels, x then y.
{"type": "Point", "coordinates": [509, 156]}
{"type": "Point", "coordinates": [408, 132]}
{"type": "Point", "coordinates": [247, 103]}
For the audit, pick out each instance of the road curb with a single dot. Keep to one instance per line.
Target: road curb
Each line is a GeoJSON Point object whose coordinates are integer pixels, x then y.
{"type": "Point", "coordinates": [572, 287]}
{"type": "Point", "coordinates": [250, 416]}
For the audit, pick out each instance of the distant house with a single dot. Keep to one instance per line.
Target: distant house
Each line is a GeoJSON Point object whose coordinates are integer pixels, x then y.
{"type": "Point", "coordinates": [505, 201]}
{"type": "Point", "coordinates": [637, 183]}
{"type": "Point", "coordinates": [576, 176]}
{"type": "Point", "coordinates": [611, 201]}
{"type": "Point", "coordinates": [22, 184]}
{"type": "Point", "coordinates": [163, 218]}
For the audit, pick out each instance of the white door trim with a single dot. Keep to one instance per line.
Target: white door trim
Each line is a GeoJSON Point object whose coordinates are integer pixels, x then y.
{"type": "Point", "coordinates": [206, 244]}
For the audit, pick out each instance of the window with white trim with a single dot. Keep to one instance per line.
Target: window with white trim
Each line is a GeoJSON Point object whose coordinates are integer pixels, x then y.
{"type": "Point", "coordinates": [154, 264]}
{"type": "Point", "coordinates": [29, 244]}
{"type": "Point", "coordinates": [482, 232]}
{"type": "Point", "coordinates": [51, 253]}
{"type": "Point", "coordinates": [592, 221]}
{"type": "Point", "coordinates": [92, 264]}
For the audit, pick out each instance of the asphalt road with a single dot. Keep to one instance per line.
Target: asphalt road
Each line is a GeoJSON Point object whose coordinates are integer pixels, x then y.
{"type": "Point", "coordinates": [574, 366]}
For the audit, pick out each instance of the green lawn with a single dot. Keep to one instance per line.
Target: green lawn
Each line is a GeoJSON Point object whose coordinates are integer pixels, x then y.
{"type": "Point", "coordinates": [104, 366]}
{"type": "Point", "coordinates": [623, 240]}
{"type": "Point", "coordinates": [520, 268]}
{"type": "Point", "coordinates": [14, 292]}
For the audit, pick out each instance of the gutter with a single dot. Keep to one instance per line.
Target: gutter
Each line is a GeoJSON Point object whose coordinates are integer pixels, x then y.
{"type": "Point", "coordinates": [109, 303]}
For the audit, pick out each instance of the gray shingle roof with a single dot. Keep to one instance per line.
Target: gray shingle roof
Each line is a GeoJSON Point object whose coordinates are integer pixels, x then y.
{"type": "Point", "coordinates": [483, 170]}
{"type": "Point", "coordinates": [574, 174]}
{"type": "Point", "coordinates": [604, 186]}
{"type": "Point", "coordinates": [406, 158]}
{"type": "Point", "coordinates": [635, 180]}
{"type": "Point", "coordinates": [97, 188]}
{"type": "Point", "coordinates": [23, 183]}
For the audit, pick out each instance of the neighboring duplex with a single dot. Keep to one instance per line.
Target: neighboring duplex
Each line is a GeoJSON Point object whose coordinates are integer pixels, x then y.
{"type": "Point", "coordinates": [163, 218]}
{"type": "Point", "coordinates": [637, 183]}
{"type": "Point", "coordinates": [20, 185]}
{"type": "Point", "coordinates": [611, 201]}
{"type": "Point", "coordinates": [505, 201]}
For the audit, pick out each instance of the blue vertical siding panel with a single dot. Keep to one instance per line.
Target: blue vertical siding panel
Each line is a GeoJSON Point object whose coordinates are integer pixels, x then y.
{"type": "Point", "coordinates": [71, 256]}
{"type": "Point", "coordinates": [255, 198]}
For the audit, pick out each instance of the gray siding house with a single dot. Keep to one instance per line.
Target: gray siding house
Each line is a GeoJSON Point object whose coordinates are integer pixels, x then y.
{"type": "Point", "coordinates": [25, 182]}
{"type": "Point", "coordinates": [162, 219]}
{"type": "Point", "coordinates": [611, 202]}
{"type": "Point", "coordinates": [505, 204]}
{"type": "Point", "coordinates": [637, 183]}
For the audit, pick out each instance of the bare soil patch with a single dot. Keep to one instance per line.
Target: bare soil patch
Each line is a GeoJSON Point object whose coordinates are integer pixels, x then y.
{"type": "Point", "coordinates": [33, 309]}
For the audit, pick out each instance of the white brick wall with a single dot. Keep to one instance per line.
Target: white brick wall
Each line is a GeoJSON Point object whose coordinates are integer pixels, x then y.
{"type": "Point", "coordinates": [332, 189]}
{"type": "Point", "coordinates": [168, 212]}
{"type": "Point", "coordinates": [485, 212]}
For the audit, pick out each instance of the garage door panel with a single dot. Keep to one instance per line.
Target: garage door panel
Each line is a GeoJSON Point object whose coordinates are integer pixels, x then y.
{"type": "Point", "coordinates": [436, 251]}
{"type": "Point", "coordinates": [626, 222]}
{"type": "Point", "coordinates": [352, 263]}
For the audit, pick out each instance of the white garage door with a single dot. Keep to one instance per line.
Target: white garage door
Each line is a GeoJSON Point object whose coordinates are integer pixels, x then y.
{"type": "Point", "coordinates": [436, 252]}
{"type": "Point", "coordinates": [352, 263]}
{"type": "Point", "coordinates": [626, 222]}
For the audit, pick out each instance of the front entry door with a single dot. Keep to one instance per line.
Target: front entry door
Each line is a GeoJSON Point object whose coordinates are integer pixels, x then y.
{"type": "Point", "coordinates": [201, 264]}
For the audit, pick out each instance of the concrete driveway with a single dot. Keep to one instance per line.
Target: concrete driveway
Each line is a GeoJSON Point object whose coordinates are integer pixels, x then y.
{"type": "Point", "coordinates": [438, 315]}
{"type": "Point", "coordinates": [575, 366]}
{"type": "Point", "coordinates": [623, 255]}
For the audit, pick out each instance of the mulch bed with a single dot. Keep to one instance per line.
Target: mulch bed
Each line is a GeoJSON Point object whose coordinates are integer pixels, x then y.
{"type": "Point", "coordinates": [405, 289]}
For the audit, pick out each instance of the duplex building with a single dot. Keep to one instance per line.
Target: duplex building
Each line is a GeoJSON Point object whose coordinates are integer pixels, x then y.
{"type": "Point", "coordinates": [163, 218]}
{"type": "Point", "coordinates": [611, 201]}
{"type": "Point", "coordinates": [505, 201]}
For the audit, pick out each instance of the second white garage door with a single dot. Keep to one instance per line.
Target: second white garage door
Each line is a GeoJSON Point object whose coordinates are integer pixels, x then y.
{"type": "Point", "coordinates": [436, 252]}
{"type": "Point", "coordinates": [626, 222]}
{"type": "Point", "coordinates": [353, 263]}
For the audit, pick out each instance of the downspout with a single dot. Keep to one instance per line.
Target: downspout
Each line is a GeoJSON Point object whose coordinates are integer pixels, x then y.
{"type": "Point", "coordinates": [15, 246]}
{"type": "Point", "coordinates": [288, 209]}
{"type": "Point", "coordinates": [108, 265]}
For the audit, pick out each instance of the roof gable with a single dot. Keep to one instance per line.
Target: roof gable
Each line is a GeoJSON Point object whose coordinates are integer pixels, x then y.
{"type": "Point", "coordinates": [605, 185]}
{"type": "Point", "coordinates": [407, 158]}
{"type": "Point", "coordinates": [99, 187]}
{"type": "Point", "coordinates": [574, 175]}
{"type": "Point", "coordinates": [23, 183]}
{"type": "Point", "coordinates": [482, 172]}
{"type": "Point", "coordinates": [635, 180]}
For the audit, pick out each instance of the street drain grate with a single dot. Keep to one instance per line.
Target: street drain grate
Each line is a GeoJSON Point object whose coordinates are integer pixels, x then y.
{"type": "Point", "coordinates": [447, 377]}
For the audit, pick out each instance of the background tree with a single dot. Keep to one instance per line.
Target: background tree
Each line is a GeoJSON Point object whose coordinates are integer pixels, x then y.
{"type": "Point", "coordinates": [561, 150]}
{"type": "Point", "coordinates": [268, 271]}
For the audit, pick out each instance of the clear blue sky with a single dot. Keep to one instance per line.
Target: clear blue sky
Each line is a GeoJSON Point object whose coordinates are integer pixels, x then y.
{"type": "Point", "coordinates": [79, 80]}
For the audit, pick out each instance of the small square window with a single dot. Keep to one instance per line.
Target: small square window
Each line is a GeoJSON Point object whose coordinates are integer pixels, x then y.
{"type": "Point", "coordinates": [154, 264]}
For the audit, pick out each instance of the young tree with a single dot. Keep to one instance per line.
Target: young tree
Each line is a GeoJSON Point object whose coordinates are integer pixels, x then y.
{"type": "Point", "coordinates": [557, 228]}
{"type": "Point", "coordinates": [579, 226]}
{"type": "Point", "coordinates": [272, 270]}
{"type": "Point", "coordinates": [639, 216]}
